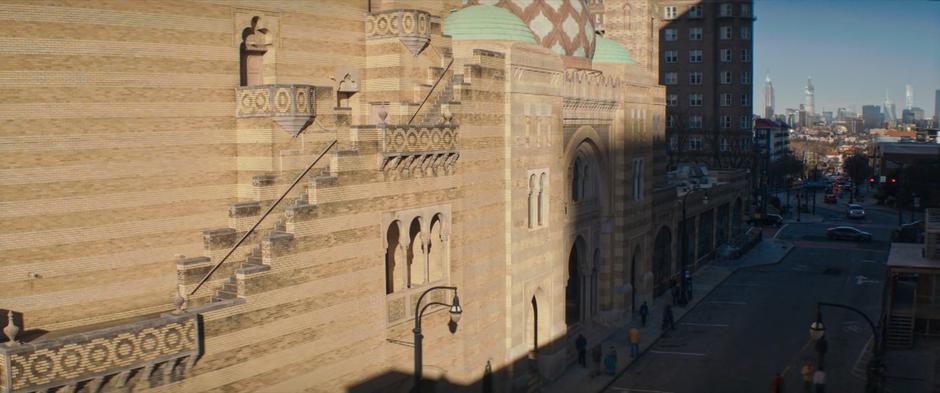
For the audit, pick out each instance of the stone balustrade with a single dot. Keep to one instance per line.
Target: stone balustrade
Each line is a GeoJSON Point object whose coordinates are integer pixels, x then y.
{"type": "Point", "coordinates": [291, 106]}
{"type": "Point", "coordinates": [419, 150]}
{"type": "Point", "coordinates": [167, 343]}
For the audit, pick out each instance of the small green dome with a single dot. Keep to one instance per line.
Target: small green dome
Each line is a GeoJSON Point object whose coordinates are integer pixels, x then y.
{"type": "Point", "coordinates": [487, 22]}
{"type": "Point", "coordinates": [609, 51]}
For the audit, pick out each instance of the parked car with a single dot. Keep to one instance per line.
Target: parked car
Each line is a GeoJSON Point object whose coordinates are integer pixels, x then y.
{"type": "Point", "coordinates": [848, 233]}
{"type": "Point", "coordinates": [908, 233]}
{"type": "Point", "coordinates": [769, 219]}
{"type": "Point", "coordinates": [855, 211]}
{"type": "Point", "coordinates": [830, 198]}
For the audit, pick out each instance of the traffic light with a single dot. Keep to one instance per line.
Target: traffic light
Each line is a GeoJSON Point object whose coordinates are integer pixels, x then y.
{"type": "Point", "coordinates": [871, 179]}
{"type": "Point", "coordinates": [893, 180]}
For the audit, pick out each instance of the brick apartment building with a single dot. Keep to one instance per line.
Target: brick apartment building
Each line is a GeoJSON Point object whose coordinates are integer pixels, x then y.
{"type": "Point", "coordinates": [705, 62]}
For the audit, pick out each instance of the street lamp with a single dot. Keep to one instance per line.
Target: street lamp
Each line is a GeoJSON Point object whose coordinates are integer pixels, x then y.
{"type": "Point", "coordinates": [685, 242]}
{"type": "Point", "coordinates": [874, 374]}
{"type": "Point", "coordinates": [455, 313]}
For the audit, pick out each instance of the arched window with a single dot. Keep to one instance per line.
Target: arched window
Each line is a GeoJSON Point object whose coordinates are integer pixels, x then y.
{"type": "Point", "coordinates": [416, 256]}
{"type": "Point", "coordinates": [254, 45]}
{"type": "Point", "coordinates": [543, 199]}
{"type": "Point", "coordinates": [394, 259]}
{"type": "Point", "coordinates": [436, 251]}
{"type": "Point", "coordinates": [533, 198]}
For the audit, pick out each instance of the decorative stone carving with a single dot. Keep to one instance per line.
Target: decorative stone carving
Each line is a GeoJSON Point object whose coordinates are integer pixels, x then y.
{"type": "Point", "coordinates": [11, 330]}
{"type": "Point", "coordinates": [420, 150]}
{"type": "Point", "coordinates": [112, 351]}
{"type": "Point", "coordinates": [291, 106]}
{"type": "Point", "coordinates": [590, 95]}
{"type": "Point", "coordinates": [411, 27]}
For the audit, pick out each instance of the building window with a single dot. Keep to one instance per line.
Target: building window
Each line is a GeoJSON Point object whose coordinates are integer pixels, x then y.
{"type": "Point", "coordinates": [746, 10]}
{"type": "Point", "coordinates": [538, 198]}
{"type": "Point", "coordinates": [745, 33]}
{"type": "Point", "coordinates": [695, 11]}
{"type": "Point", "coordinates": [696, 99]}
{"type": "Point", "coordinates": [695, 121]}
{"type": "Point", "coordinates": [669, 12]}
{"type": "Point", "coordinates": [724, 144]}
{"type": "Point", "coordinates": [670, 78]}
{"type": "Point", "coordinates": [726, 55]}
{"type": "Point", "coordinates": [744, 122]}
{"type": "Point", "coordinates": [672, 56]}
{"type": "Point", "coordinates": [416, 250]}
{"type": "Point", "coordinates": [695, 143]}
{"type": "Point", "coordinates": [672, 100]}
{"type": "Point", "coordinates": [637, 179]}
{"type": "Point", "coordinates": [671, 34]}
{"type": "Point", "coordinates": [725, 121]}
{"type": "Point", "coordinates": [745, 55]}
{"type": "Point", "coordinates": [695, 34]}
{"type": "Point", "coordinates": [670, 120]}
{"type": "Point", "coordinates": [745, 78]}
{"type": "Point", "coordinates": [695, 56]}
{"type": "Point", "coordinates": [725, 32]}
{"type": "Point", "coordinates": [745, 100]}
{"type": "Point", "coordinates": [726, 77]}
{"type": "Point", "coordinates": [725, 99]}
{"type": "Point", "coordinates": [727, 9]}
{"type": "Point", "coordinates": [695, 78]}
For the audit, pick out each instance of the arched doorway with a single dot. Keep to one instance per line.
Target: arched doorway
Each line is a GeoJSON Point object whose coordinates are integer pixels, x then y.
{"type": "Point", "coordinates": [662, 261]}
{"type": "Point", "coordinates": [574, 289]}
{"type": "Point", "coordinates": [736, 216]}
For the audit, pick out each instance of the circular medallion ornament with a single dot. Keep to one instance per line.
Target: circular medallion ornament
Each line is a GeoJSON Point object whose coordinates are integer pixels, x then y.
{"type": "Point", "coordinates": [124, 349]}
{"type": "Point", "coordinates": [42, 366]}
{"type": "Point", "coordinates": [172, 337]}
{"type": "Point", "coordinates": [282, 101]}
{"type": "Point", "coordinates": [448, 138]}
{"type": "Point", "coordinates": [408, 23]}
{"type": "Point", "coordinates": [70, 360]}
{"type": "Point", "coordinates": [99, 354]}
{"type": "Point", "coordinates": [381, 24]}
{"type": "Point", "coordinates": [148, 343]}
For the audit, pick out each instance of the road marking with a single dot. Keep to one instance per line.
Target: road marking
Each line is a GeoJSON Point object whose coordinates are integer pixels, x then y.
{"type": "Point", "coordinates": [678, 353]}
{"type": "Point", "coordinates": [704, 324]}
{"type": "Point", "coordinates": [741, 285]}
{"type": "Point", "coordinates": [726, 302]}
{"type": "Point", "coordinates": [630, 390]}
{"type": "Point", "coordinates": [860, 279]}
{"type": "Point", "coordinates": [779, 230]}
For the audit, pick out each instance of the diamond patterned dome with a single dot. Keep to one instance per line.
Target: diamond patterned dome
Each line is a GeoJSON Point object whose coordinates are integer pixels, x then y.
{"type": "Point", "coordinates": [564, 26]}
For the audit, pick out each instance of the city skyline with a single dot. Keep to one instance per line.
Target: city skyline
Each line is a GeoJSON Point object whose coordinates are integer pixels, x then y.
{"type": "Point", "coordinates": [851, 63]}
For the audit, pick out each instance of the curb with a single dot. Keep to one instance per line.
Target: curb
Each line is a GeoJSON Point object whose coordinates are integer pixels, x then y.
{"type": "Point", "coordinates": [660, 336]}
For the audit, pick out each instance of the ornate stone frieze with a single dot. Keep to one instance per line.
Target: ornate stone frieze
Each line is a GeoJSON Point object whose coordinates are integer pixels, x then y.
{"type": "Point", "coordinates": [590, 95]}
{"type": "Point", "coordinates": [168, 342]}
{"type": "Point", "coordinates": [419, 150]}
{"type": "Point", "coordinates": [411, 27]}
{"type": "Point", "coordinates": [291, 106]}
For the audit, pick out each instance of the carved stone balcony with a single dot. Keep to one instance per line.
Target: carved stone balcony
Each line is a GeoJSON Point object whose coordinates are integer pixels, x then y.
{"type": "Point", "coordinates": [110, 355]}
{"type": "Point", "coordinates": [291, 106]}
{"type": "Point", "coordinates": [419, 150]}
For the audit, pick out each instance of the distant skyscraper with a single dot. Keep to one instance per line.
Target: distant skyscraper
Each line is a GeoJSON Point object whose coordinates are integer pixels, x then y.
{"type": "Point", "coordinates": [936, 109]}
{"type": "Point", "coordinates": [768, 98]}
{"type": "Point", "coordinates": [810, 97]}
{"type": "Point", "coordinates": [872, 116]}
{"type": "Point", "coordinates": [908, 97]}
{"type": "Point", "coordinates": [890, 113]}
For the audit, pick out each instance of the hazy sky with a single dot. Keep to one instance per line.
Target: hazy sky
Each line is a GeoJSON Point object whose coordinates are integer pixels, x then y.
{"type": "Point", "coordinates": [853, 49]}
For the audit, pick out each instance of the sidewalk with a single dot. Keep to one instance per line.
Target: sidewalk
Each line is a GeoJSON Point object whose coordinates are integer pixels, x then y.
{"type": "Point", "coordinates": [578, 379]}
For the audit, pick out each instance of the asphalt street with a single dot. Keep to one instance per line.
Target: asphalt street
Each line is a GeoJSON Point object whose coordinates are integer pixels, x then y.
{"type": "Point", "coordinates": [757, 322]}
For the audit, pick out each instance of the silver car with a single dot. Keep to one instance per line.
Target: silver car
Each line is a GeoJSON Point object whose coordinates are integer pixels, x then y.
{"type": "Point", "coordinates": [856, 211]}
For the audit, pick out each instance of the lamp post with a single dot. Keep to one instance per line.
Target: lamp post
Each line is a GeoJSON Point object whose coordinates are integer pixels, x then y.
{"type": "Point", "coordinates": [875, 374]}
{"type": "Point", "coordinates": [685, 242]}
{"type": "Point", "coordinates": [455, 313]}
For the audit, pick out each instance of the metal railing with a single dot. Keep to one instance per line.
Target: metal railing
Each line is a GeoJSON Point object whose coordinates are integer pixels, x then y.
{"type": "Point", "coordinates": [263, 216]}
{"type": "Point", "coordinates": [438, 81]}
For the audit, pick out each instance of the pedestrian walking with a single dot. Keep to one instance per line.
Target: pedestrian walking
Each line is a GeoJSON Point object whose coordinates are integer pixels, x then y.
{"type": "Point", "coordinates": [580, 344]}
{"type": "Point", "coordinates": [807, 372]}
{"type": "Point", "coordinates": [819, 380]}
{"type": "Point", "coordinates": [644, 312]}
{"type": "Point", "coordinates": [610, 361]}
{"type": "Point", "coordinates": [668, 322]}
{"type": "Point", "coordinates": [674, 290]}
{"type": "Point", "coordinates": [776, 384]}
{"type": "Point", "coordinates": [596, 361]}
{"type": "Point", "coordinates": [633, 337]}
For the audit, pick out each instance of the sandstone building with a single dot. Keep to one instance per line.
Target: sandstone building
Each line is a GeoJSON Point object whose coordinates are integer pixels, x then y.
{"type": "Point", "coordinates": [161, 230]}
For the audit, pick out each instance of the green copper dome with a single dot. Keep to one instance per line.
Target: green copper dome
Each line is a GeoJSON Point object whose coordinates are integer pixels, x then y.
{"type": "Point", "coordinates": [609, 51]}
{"type": "Point", "coordinates": [486, 22]}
